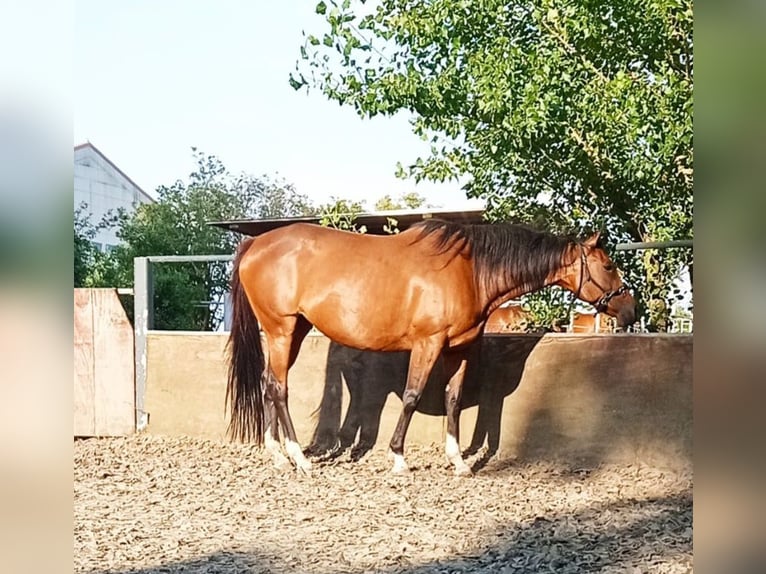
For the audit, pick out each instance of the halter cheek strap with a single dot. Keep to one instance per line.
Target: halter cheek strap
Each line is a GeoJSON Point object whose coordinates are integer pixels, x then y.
{"type": "Point", "coordinates": [601, 303]}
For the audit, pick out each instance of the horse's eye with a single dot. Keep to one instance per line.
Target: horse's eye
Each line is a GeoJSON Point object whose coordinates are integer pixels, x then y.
{"type": "Point", "coordinates": [609, 267]}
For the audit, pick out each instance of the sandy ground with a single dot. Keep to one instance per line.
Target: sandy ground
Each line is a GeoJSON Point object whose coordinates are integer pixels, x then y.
{"type": "Point", "coordinates": [148, 504]}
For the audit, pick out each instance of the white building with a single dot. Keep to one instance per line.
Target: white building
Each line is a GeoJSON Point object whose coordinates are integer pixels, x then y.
{"type": "Point", "coordinates": [103, 187]}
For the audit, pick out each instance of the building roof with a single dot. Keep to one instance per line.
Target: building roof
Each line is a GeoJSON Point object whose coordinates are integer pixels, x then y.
{"type": "Point", "coordinates": [374, 222]}
{"type": "Point", "coordinates": [88, 145]}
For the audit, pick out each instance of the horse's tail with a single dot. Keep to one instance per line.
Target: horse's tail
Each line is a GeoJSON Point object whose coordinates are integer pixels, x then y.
{"type": "Point", "coordinates": [246, 363]}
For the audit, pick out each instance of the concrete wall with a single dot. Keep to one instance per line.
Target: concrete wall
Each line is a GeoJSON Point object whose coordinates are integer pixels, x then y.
{"type": "Point", "coordinates": [583, 397]}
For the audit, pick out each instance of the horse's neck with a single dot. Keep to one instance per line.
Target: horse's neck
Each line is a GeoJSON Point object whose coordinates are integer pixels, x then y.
{"type": "Point", "coordinates": [495, 294]}
{"type": "Point", "coordinates": [497, 291]}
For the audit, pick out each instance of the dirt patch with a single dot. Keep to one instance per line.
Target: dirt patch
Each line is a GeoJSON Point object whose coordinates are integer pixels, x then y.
{"type": "Point", "coordinates": [148, 504]}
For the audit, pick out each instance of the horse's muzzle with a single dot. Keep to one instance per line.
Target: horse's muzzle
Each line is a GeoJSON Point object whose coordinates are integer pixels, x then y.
{"type": "Point", "coordinates": [626, 316]}
{"type": "Point", "coordinates": [623, 308]}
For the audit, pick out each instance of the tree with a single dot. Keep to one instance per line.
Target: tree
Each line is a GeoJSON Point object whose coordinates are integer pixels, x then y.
{"type": "Point", "coordinates": [188, 295]}
{"type": "Point", "coordinates": [412, 200]}
{"type": "Point", "coordinates": [572, 115]}
{"type": "Point", "coordinates": [547, 309]}
{"type": "Point", "coordinates": [267, 199]}
{"type": "Point", "coordinates": [341, 214]}
{"type": "Point", "coordinates": [89, 262]}
{"type": "Point", "coordinates": [84, 250]}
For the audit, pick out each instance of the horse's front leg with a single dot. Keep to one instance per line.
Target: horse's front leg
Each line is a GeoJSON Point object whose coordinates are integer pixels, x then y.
{"type": "Point", "coordinates": [422, 360]}
{"type": "Point", "coordinates": [455, 363]}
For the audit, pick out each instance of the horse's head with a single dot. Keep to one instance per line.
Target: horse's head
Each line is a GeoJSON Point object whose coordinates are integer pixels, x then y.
{"type": "Point", "coordinates": [593, 277]}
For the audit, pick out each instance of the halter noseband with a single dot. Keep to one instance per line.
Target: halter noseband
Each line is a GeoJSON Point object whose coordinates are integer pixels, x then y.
{"type": "Point", "coordinates": [601, 303]}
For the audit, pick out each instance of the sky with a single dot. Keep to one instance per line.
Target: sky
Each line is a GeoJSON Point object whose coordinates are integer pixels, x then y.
{"type": "Point", "coordinates": [154, 79]}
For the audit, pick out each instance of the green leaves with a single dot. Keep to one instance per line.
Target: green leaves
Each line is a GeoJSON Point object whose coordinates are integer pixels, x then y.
{"type": "Point", "coordinates": [296, 84]}
{"type": "Point", "coordinates": [412, 200]}
{"type": "Point", "coordinates": [341, 214]}
{"type": "Point", "coordinates": [177, 225]}
{"type": "Point", "coordinates": [545, 106]}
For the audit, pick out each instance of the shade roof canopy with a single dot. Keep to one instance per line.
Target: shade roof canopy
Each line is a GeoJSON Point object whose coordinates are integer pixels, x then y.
{"type": "Point", "coordinates": [374, 222]}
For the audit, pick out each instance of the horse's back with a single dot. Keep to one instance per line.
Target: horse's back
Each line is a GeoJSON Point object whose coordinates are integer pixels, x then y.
{"type": "Point", "coordinates": [330, 253]}
{"type": "Point", "coordinates": [306, 235]}
{"type": "Point", "coordinates": [361, 290]}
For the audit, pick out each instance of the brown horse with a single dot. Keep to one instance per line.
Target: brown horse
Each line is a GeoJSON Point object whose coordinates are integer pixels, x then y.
{"type": "Point", "coordinates": [590, 323]}
{"type": "Point", "coordinates": [508, 319]}
{"type": "Point", "coordinates": [428, 290]}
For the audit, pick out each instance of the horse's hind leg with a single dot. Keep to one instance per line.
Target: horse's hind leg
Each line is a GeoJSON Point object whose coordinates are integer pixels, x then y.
{"type": "Point", "coordinates": [271, 434]}
{"type": "Point", "coordinates": [283, 350]}
{"type": "Point", "coordinates": [271, 422]}
{"type": "Point", "coordinates": [276, 391]}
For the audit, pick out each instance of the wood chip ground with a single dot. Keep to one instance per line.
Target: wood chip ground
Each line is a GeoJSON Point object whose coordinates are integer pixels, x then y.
{"type": "Point", "coordinates": [150, 505]}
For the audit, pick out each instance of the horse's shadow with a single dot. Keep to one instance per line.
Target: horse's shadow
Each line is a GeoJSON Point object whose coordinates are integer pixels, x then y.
{"type": "Point", "coordinates": [371, 376]}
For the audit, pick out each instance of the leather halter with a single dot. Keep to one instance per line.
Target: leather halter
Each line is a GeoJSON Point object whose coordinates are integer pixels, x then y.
{"type": "Point", "coordinates": [601, 303]}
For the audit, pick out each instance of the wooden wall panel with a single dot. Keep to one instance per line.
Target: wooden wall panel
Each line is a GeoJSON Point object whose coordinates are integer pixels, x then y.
{"type": "Point", "coordinates": [104, 382]}
{"type": "Point", "coordinates": [84, 385]}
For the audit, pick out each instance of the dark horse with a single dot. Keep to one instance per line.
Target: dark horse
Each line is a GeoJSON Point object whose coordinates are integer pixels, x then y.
{"type": "Point", "coordinates": [428, 290]}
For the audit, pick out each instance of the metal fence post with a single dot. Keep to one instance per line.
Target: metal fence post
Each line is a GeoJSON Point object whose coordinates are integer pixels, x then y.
{"type": "Point", "coordinates": [143, 320]}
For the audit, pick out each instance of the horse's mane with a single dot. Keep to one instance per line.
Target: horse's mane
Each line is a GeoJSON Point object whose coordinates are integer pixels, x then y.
{"type": "Point", "coordinates": [519, 254]}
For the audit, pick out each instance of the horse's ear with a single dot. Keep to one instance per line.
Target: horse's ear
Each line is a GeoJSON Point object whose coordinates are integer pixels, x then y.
{"type": "Point", "coordinates": [594, 240]}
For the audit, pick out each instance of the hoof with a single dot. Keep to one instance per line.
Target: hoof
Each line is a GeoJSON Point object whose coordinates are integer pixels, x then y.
{"type": "Point", "coordinates": [301, 462]}
{"type": "Point", "coordinates": [400, 466]}
{"type": "Point", "coordinates": [280, 460]}
{"type": "Point", "coordinates": [463, 470]}
{"type": "Point", "coordinates": [304, 468]}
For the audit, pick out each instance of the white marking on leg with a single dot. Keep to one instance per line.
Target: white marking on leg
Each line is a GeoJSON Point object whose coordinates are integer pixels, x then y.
{"type": "Point", "coordinates": [400, 465]}
{"type": "Point", "coordinates": [452, 450]}
{"type": "Point", "coordinates": [273, 446]}
{"type": "Point", "coordinates": [269, 440]}
{"type": "Point", "coordinates": [296, 453]}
